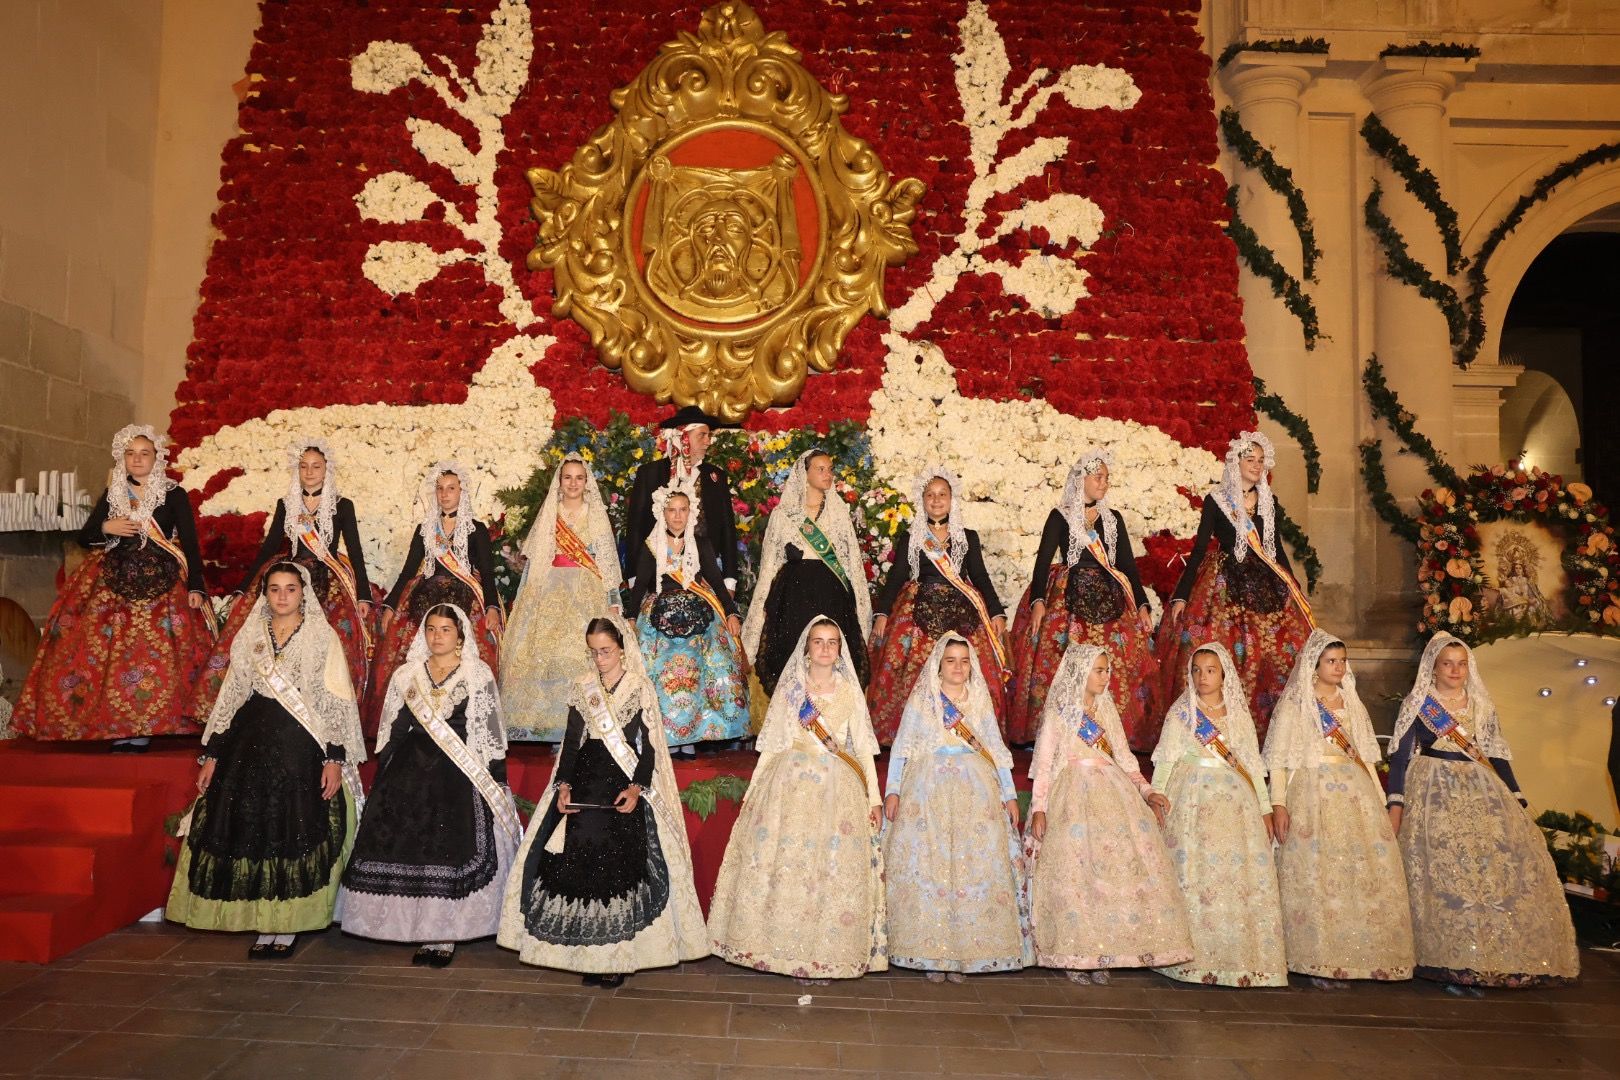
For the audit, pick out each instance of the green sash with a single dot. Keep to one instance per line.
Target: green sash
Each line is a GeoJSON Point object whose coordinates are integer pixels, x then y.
{"type": "Point", "coordinates": [818, 542]}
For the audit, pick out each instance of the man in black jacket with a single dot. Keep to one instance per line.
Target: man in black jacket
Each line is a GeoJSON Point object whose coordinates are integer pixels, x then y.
{"type": "Point", "coordinates": [684, 438]}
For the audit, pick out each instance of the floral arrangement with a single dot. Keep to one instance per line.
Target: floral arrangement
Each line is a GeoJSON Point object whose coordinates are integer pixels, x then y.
{"type": "Point", "coordinates": [1451, 564]}
{"type": "Point", "coordinates": [1073, 286]}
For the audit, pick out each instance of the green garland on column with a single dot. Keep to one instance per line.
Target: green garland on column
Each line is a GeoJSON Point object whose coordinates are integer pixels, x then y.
{"type": "Point", "coordinates": [1404, 268]}
{"type": "Point", "coordinates": [1422, 183]}
{"type": "Point", "coordinates": [1387, 407]}
{"type": "Point", "coordinates": [1278, 178]}
{"type": "Point", "coordinates": [1264, 264]}
{"type": "Point", "coordinates": [1316, 46]}
{"type": "Point", "coordinates": [1298, 430]}
{"type": "Point", "coordinates": [1295, 538]}
{"type": "Point", "coordinates": [1475, 299]}
{"type": "Point", "coordinates": [1377, 484]}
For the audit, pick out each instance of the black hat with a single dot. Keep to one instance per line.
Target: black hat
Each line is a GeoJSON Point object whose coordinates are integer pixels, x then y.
{"type": "Point", "coordinates": [691, 414]}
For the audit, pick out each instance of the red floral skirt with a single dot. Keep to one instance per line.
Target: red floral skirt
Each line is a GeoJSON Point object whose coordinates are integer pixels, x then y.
{"type": "Point", "coordinates": [420, 595]}
{"type": "Point", "coordinates": [1245, 607]}
{"type": "Point", "coordinates": [920, 618]}
{"type": "Point", "coordinates": [342, 614]}
{"type": "Point", "coordinates": [121, 652]}
{"type": "Point", "coordinates": [1135, 679]}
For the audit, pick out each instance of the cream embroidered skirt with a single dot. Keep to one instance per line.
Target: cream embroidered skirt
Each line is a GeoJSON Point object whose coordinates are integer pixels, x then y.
{"type": "Point", "coordinates": [543, 651]}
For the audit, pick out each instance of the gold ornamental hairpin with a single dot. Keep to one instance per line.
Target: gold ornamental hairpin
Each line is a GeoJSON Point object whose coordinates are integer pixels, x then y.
{"type": "Point", "coordinates": [724, 233]}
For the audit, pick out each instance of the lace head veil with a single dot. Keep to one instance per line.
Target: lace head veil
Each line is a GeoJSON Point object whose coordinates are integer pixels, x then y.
{"type": "Point", "coordinates": [1066, 700]}
{"type": "Point", "coordinates": [919, 521]}
{"type": "Point", "coordinates": [472, 681]}
{"type": "Point", "coordinates": [1265, 507]}
{"type": "Point", "coordinates": [1073, 506]}
{"type": "Point", "coordinates": [430, 515]}
{"type": "Point", "coordinates": [688, 561]}
{"type": "Point", "coordinates": [782, 718]}
{"type": "Point", "coordinates": [922, 725]}
{"type": "Point", "coordinates": [1483, 725]}
{"type": "Point", "coordinates": [1237, 728]}
{"type": "Point", "coordinates": [294, 501]}
{"type": "Point", "coordinates": [1294, 739]}
{"type": "Point", "coordinates": [541, 545]}
{"type": "Point", "coordinates": [150, 493]}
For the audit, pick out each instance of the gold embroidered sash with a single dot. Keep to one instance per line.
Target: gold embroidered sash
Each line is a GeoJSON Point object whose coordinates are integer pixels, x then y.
{"type": "Point", "coordinates": [942, 562]}
{"type": "Point", "coordinates": [1252, 539]}
{"type": "Point", "coordinates": [1095, 545]}
{"type": "Point", "coordinates": [156, 536]}
{"type": "Point", "coordinates": [343, 571]}
{"type": "Point", "coordinates": [569, 544]}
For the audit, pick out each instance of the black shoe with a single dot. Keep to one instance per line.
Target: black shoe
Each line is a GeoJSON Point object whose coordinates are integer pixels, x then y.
{"type": "Point", "coordinates": [421, 955]}
{"type": "Point", "coordinates": [261, 950]}
{"type": "Point", "coordinates": [440, 958]}
{"type": "Point", "coordinates": [279, 951]}
{"type": "Point", "coordinates": [611, 981]}
{"type": "Point", "coordinates": [591, 980]}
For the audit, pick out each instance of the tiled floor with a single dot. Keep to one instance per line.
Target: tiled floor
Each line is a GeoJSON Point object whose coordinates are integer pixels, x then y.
{"type": "Point", "coordinates": [159, 1002]}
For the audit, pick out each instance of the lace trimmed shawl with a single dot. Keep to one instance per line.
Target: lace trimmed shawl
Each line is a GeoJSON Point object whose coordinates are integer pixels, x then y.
{"type": "Point", "coordinates": [958, 545]}
{"type": "Point", "coordinates": [313, 661]}
{"type": "Point", "coordinates": [541, 546]}
{"type": "Point", "coordinates": [1066, 706]}
{"type": "Point", "coordinates": [472, 682]}
{"type": "Point", "coordinates": [782, 718]}
{"type": "Point", "coordinates": [1231, 494]}
{"type": "Point", "coordinates": [687, 562]}
{"type": "Point", "coordinates": [149, 494]}
{"type": "Point", "coordinates": [294, 500]}
{"type": "Point", "coordinates": [1294, 740]}
{"type": "Point", "coordinates": [1483, 725]}
{"type": "Point", "coordinates": [430, 517]}
{"type": "Point", "coordinates": [783, 529]}
{"type": "Point", "coordinates": [922, 725]}
{"type": "Point", "coordinates": [1237, 727]}
{"type": "Point", "coordinates": [1073, 508]}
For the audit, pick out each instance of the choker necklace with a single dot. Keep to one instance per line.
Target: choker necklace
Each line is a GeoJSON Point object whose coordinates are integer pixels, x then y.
{"type": "Point", "coordinates": [673, 536]}
{"type": "Point", "coordinates": [312, 494]}
{"type": "Point", "coordinates": [609, 689]}
{"type": "Point", "coordinates": [447, 513]}
{"type": "Point", "coordinates": [941, 521]}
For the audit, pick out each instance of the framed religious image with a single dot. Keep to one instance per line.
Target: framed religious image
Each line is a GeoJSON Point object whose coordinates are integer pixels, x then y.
{"type": "Point", "coordinates": [1525, 583]}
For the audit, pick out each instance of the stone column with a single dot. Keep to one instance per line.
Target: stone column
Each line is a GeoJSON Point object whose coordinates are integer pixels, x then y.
{"type": "Point", "coordinates": [1266, 89]}
{"type": "Point", "coordinates": [1477, 412]}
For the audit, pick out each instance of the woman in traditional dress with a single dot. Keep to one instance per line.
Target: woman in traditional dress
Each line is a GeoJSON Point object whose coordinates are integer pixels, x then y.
{"type": "Point", "coordinates": [1219, 828]}
{"type": "Point", "coordinates": [1103, 891]}
{"type": "Point", "coordinates": [1243, 595]}
{"type": "Point", "coordinates": [811, 562]}
{"type": "Point", "coordinates": [432, 855]}
{"type": "Point", "coordinates": [936, 585]}
{"type": "Point", "coordinates": [308, 524]}
{"type": "Point", "coordinates": [279, 798]}
{"type": "Point", "coordinates": [1094, 597]}
{"type": "Point", "coordinates": [1339, 870]}
{"type": "Point", "coordinates": [460, 572]}
{"type": "Point", "coordinates": [603, 882]}
{"type": "Point", "coordinates": [952, 856]}
{"type": "Point", "coordinates": [689, 631]}
{"type": "Point", "coordinates": [800, 890]}
{"type": "Point", "coordinates": [571, 577]}
{"type": "Point", "coordinates": [1487, 906]}
{"type": "Point", "coordinates": [130, 631]}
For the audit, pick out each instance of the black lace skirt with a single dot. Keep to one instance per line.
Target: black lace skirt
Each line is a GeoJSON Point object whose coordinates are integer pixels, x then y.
{"type": "Point", "coordinates": [1253, 585]}
{"type": "Point", "coordinates": [262, 831]}
{"type": "Point", "coordinates": [426, 831]}
{"type": "Point", "coordinates": [1094, 595]}
{"type": "Point", "coordinates": [441, 587]}
{"type": "Point", "coordinates": [803, 589]}
{"type": "Point", "coordinates": [941, 608]}
{"type": "Point", "coordinates": [139, 574]}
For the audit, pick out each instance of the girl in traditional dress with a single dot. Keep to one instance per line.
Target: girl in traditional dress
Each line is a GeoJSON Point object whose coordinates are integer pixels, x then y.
{"type": "Point", "coordinates": [603, 882]}
{"type": "Point", "coordinates": [800, 890]}
{"type": "Point", "coordinates": [952, 856]}
{"type": "Point", "coordinates": [936, 585]}
{"type": "Point", "coordinates": [811, 562]}
{"type": "Point", "coordinates": [1095, 597]}
{"type": "Point", "coordinates": [1243, 595]}
{"type": "Point", "coordinates": [1208, 764]}
{"type": "Point", "coordinates": [309, 522]}
{"type": "Point", "coordinates": [571, 577]}
{"type": "Point", "coordinates": [1487, 907]}
{"type": "Point", "coordinates": [1103, 891]}
{"type": "Point", "coordinates": [689, 630]}
{"type": "Point", "coordinates": [279, 798]}
{"type": "Point", "coordinates": [130, 632]}
{"type": "Point", "coordinates": [1338, 867]}
{"type": "Point", "coordinates": [432, 855]}
{"type": "Point", "coordinates": [461, 573]}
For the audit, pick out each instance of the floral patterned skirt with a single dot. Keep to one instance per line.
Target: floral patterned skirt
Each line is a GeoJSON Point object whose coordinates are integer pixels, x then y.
{"type": "Point", "coordinates": [1487, 906]}
{"type": "Point", "coordinates": [1222, 856]}
{"type": "Point", "coordinates": [1134, 682]}
{"type": "Point", "coordinates": [543, 651]}
{"type": "Point", "coordinates": [953, 864]}
{"type": "Point", "coordinates": [418, 597]}
{"type": "Point", "coordinates": [342, 614]}
{"type": "Point", "coordinates": [800, 891]}
{"type": "Point", "coordinates": [701, 680]}
{"type": "Point", "coordinates": [1103, 891]}
{"type": "Point", "coordinates": [121, 652]}
{"type": "Point", "coordinates": [921, 616]}
{"type": "Point", "coordinates": [1345, 913]}
{"type": "Point", "coordinates": [1243, 606]}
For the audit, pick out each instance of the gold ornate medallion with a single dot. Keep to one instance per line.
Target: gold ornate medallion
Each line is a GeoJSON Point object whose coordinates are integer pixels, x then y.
{"type": "Point", "coordinates": [724, 233]}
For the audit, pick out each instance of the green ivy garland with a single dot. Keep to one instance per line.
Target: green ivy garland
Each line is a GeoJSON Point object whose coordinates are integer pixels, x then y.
{"type": "Point", "coordinates": [1383, 502]}
{"type": "Point", "coordinates": [1295, 538]}
{"type": "Point", "coordinates": [1386, 406]}
{"type": "Point", "coordinates": [1403, 267]}
{"type": "Point", "coordinates": [1422, 183]}
{"type": "Point", "coordinates": [702, 797]}
{"type": "Point", "coordinates": [1315, 45]}
{"type": "Point", "coordinates": [1452, 49]}
{"type": "Point", "coordinates": [1298, 429]}
{"type": "Point", "coordinates": [1278, 178]}
{"type": "Point", "coordinates": [1265, 265]}
{"type": "Point", "coordinates": [1475, 299]}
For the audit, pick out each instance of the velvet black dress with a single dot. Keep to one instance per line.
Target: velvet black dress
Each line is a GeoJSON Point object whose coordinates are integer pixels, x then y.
{"type": "Point", "coordinates": [804, 588]}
